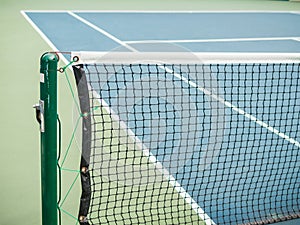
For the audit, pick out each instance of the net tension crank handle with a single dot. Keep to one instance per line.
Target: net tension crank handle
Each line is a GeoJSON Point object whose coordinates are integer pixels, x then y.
{"type": "Point", "coordinates": [39, 114]}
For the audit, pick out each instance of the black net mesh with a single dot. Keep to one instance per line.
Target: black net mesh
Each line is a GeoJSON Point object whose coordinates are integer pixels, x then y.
{"type": "Point", "coordinates": [191, 144]}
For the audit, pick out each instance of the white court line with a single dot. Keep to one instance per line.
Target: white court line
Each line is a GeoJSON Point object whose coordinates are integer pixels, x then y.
{"type": "Point", "coordinates": [195, 206]}
{"type": "Point", "coordinates": [44, 37]}
{"type": "Point", "coordinates": [166, 11]}
{"type": "Point", "coordinates": [271, 58]}
{"type": "Point", "coordinates": [222, 100]}
{"type": "Point", "coordinates": [171, 179]}
{"type": "Point", "coordinates": [125, 43]}
{"type": "Point", "coordinates": [102, 31]}
{"type": "Point", "coordinates": [182, 192]}
{"type": "Point", "coordinates": [179, 41]}
{"type": "Point", "coordinates": [228, 104]}
{"type": "Point", "coordinates": [187, 11]}
{"type": "Point", "coordinates": [233, 107]}
{"type": "Point", "coordinates": [213, 40]}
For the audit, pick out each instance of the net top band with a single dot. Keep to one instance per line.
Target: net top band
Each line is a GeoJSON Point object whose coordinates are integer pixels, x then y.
{"type": "Point", "coordinates": [86, 57]}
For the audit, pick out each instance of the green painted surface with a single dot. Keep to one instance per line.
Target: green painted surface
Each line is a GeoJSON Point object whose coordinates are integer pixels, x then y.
{"type": "Point", "coordinates": [21, 48]}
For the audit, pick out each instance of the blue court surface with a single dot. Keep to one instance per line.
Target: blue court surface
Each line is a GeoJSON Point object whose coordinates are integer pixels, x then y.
{"type": "Point", "coordinates": [198, 32]}
{"type": "Point", "coordinates": [217, 32]}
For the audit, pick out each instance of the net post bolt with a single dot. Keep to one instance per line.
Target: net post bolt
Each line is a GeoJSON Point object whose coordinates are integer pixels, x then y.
{"type": "Point", "coordinates": [82, 219]}
{"type": "Point", "coordinates": [84, 169]}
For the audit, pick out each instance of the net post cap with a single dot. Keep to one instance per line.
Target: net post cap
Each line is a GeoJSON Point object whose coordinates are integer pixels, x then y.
{"type": "Point", "coordinates": [50, 56]}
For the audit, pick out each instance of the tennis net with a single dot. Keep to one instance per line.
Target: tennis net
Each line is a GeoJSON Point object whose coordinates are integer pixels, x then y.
{"type": "Point", "coordinates": [174, 139]}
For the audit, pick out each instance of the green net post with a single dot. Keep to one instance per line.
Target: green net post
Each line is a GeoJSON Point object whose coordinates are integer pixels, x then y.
{"type": "Point", "coordinates": [48, 119]}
